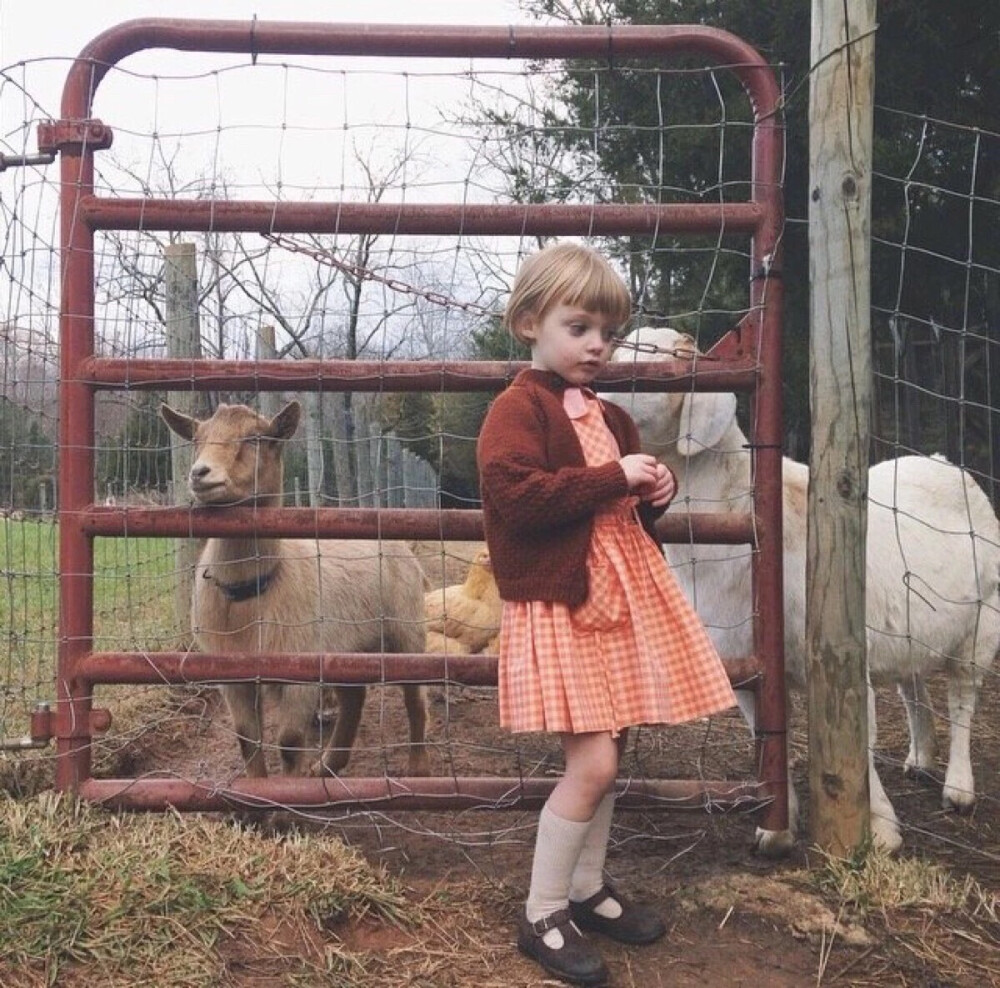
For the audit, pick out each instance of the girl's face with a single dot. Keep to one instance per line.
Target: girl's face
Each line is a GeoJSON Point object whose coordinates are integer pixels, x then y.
{"type": "Point", "coordinates": [569, 341]}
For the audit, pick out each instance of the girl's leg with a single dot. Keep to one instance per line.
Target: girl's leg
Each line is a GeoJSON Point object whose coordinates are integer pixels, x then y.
{"type": "Point", "coordinates": [591, 769]}
{"type": "Point", "coordinates": [591, 766]}
{"type": "Point", "coordinates": [588, 876]}
{"type": "Point", "coordinates": [547, 932]}
{"type": "Point", "coordinates": [595, 905]}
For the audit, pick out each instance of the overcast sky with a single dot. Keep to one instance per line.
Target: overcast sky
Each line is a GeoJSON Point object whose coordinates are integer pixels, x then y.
{"type": "Point", "coordinates": [229, 123]}
{"type": "Point", "coordinates": [251, 128]}
{"type": "Point", "coordinates": [43, 29]}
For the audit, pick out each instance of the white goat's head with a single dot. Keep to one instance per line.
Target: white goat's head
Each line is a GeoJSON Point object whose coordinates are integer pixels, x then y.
{"type": "Point", "coordinates": [237, 452]}
{"type": "Point", "coordinates": [673, 424]}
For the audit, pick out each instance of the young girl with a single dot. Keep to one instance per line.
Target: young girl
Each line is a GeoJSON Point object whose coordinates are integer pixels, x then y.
{"type": "Point", "coordinates": [596, 636]}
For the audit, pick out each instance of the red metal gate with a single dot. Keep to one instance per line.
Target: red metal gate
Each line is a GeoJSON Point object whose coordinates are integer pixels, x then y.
{"type": "Point", "coordinates": [747, 360]}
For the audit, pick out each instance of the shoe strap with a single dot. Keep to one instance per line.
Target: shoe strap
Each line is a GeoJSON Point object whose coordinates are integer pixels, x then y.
{"type": "Point", "coordinates": [542, 926]}
{"type": "Point", "coordinates": [606, 891]}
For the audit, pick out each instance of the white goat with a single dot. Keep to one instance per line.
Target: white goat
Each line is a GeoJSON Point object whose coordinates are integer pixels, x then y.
{"type": "Point", "coordinates": [933, 566]}
{"type": "Point", "coordinates": [267, 595]}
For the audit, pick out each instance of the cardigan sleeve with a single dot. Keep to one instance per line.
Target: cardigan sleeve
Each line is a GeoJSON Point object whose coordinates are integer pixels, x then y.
{"type": "Point", "coordinates": [515, 475]}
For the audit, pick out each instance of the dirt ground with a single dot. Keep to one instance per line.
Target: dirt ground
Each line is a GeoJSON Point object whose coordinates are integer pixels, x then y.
{"type": "Point", "coordinates": [734, 919]}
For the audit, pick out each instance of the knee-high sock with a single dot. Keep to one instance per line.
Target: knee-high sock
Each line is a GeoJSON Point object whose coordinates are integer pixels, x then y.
{"type": "Point", "coordinates": [588, 876]}
{"type": "Point", "coordinates": [557, 848]}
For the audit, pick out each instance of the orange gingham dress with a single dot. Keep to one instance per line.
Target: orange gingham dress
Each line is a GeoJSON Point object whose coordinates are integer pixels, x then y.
{"type": "Point", "coordinates": [635, 652]}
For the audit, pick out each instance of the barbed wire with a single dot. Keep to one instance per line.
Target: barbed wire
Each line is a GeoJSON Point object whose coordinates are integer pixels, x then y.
{"type": "Point", "coordinates": [359, 273]}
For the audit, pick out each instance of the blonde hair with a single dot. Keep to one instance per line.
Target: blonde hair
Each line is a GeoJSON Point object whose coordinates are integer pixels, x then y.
{"type": "Point", "coordinates": [570, 274]}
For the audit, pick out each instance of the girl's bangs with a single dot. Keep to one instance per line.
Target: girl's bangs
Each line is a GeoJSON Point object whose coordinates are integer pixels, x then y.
{"type": "Point", "coordinates": [602, 291]}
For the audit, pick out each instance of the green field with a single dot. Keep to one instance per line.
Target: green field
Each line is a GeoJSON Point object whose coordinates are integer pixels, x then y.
{"type": "Point", "coordinates": [134, 586]}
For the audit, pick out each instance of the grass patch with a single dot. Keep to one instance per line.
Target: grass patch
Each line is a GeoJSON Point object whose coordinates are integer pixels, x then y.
{"type": "Point", "coordinates": [935, 925]}
{"type": "Point", "coordinates": [875, 881]}
{"type": "Point", "coordinates": [88, 897]}
{"type": "Point", "coordinates": [134, 580]}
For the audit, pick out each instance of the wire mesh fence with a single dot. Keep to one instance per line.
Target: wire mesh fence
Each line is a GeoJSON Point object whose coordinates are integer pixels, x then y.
{"type": "Point", "coordinates": [591, 132]}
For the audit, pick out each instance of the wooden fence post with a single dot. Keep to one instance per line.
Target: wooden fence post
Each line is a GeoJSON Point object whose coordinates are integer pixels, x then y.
{"type": "Point", "coordinates": [270, 401]}
{"type": "Point", "coordinates": [180, 279]}
{"type": "Point", "coordinates": [840, 148]}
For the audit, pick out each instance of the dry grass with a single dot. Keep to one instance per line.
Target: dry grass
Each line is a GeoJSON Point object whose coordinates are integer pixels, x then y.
{"type": "Point", "coordinates": [168, 900]}
{"type": "Point", "coordinates": [932, 920]}
{"type": "Point", "coordinates": [876, 881]}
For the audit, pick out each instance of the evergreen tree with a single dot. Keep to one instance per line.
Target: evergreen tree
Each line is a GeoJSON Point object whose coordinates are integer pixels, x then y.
{"type": "Point", "coordinates": [935, 60]}
{"type": "Point", "coordinates": [138, 457]}
{"type": "Point", "coordinates": [27, 459]}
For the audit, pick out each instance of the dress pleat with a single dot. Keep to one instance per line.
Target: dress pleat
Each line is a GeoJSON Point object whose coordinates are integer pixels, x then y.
{"type": "Point", "coordinates": [635, 652]}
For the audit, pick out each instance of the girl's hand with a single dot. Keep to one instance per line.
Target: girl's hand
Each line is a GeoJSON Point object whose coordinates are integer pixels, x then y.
{"type": "Point", "coordinates": [663, 489]}
{"type": "Point", "coordinates": [640, 472]}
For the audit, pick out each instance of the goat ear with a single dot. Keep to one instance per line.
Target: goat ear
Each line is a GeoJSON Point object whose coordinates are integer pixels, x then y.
{"type": "Point", "coordinates": [284, 424]}
{"type": "Point", "coordinates": [705, 417]}
{"type": "Point", "coordinates": [178, 422]}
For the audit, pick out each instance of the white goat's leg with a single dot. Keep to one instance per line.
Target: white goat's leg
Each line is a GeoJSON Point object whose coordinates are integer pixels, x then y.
{"type": "Point", "coordinates": [884, 822]}
{"type": "Point", "coordinates": [415, 701]}
{"type": "Point", "coordinates": [920, 761]}
{"type": "Point", "coordinates": [350, 704]}
{"type": "Point", "coordinates": [770, 843]}
{"type": "Point", "coordinates": [959, 784]}
{"type": "Point", "coordinates": [244, 701]}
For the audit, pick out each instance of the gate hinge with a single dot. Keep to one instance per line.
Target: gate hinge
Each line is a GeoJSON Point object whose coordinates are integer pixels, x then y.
{"type": "Point", "coordinates": [41, 731]}
{"type": "Point", "coordinates": [43, 728]}
{"type": "Point", "coordinates": [73, 135]}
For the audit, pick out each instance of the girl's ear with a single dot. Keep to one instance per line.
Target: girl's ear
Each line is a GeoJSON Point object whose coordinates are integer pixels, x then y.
{"type": "Point", "coordinates": [526, 327]}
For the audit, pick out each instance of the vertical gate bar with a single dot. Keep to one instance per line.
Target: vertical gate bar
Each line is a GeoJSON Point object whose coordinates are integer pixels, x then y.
{"type": "Point", "coordinates": [76, 464]}
{"type": "Point", "coordinates": [766, 297]}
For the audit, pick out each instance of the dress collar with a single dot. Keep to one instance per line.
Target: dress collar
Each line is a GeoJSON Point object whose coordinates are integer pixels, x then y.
{"type": "Point", "coordinates": [576, 401]}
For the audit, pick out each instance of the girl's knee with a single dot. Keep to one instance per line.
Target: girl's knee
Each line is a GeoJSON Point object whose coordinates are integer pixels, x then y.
{"type": "Point", "coordinates": [593, 766]}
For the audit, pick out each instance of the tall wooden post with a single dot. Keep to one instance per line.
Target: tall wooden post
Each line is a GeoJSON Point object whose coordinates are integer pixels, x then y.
{"type": "Point", "coordinates": [180, 278]}
{"type": "Point", "coordinates": [840, 148]}
{"type": "Point", "coordinates": [269, 402]}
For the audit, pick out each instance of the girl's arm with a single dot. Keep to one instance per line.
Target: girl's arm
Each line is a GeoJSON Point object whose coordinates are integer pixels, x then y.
{"type": "Point", "coordinates": [516, 477]}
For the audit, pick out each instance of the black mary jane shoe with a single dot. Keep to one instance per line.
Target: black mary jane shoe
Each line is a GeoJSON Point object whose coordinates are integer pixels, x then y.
{"type": "Point", "coordinates": [576, 961]}
{"type": "Point", "coordinates": [636, 924]}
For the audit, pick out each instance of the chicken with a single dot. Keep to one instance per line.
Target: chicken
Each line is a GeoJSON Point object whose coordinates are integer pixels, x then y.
{"type": "Point", "coordinates": [467, 614]}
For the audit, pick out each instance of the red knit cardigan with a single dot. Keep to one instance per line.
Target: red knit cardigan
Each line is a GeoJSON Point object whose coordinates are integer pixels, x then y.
{"type": "Point", "coordinates": [539, 496]}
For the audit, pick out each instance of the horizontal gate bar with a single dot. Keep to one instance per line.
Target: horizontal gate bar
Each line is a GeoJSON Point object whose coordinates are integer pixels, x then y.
{"type": "Point", "coordinates": [719, 528]}
{"type": "Point", "coordinates": [349, 668]}
{"type": "Point", "coordinates": [383, 793]}
{"type": "Point", "coordinates": [511, 219]}
{"type": "Point", "coordinates": [607, 42]}
{"type": "Point", "coordinates": [396, 376]}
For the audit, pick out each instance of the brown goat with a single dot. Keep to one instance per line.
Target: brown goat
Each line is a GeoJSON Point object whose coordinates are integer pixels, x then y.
{"type": "Point", "coordinates": [266, 595]}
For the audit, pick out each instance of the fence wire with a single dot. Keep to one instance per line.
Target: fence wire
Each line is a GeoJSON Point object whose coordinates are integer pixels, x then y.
{"type": "Point", "coordinates": [465, 132]}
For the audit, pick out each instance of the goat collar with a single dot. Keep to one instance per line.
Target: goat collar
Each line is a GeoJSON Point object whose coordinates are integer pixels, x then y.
{"type": "Point", "coordinates": [246, 589]}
